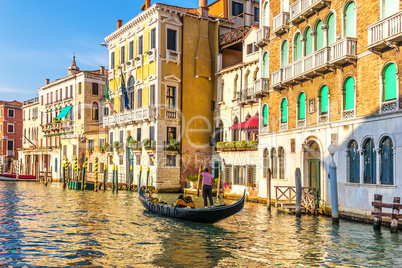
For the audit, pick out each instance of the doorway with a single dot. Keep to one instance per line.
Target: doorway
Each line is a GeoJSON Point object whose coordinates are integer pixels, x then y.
{"type": "Point", "coordinates": [314, 176]}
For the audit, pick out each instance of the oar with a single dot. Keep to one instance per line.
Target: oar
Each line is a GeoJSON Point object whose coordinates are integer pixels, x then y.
{"type": "Point", "coordinates": [219, 194]}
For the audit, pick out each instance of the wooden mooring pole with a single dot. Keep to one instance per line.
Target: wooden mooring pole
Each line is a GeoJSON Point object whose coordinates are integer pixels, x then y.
{"type": "Point", "coordinates": [198, 182]}
{"type": "Point", "coordinates": [395, 215]}
{"type": "Point", "coordinates": [299, 192]}
{"type": "Point", "coordinates": [269, 189]}
{"type": "Point", "coordinates": [377, 219]}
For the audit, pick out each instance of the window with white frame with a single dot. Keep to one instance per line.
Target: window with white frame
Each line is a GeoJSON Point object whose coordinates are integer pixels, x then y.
{"type": "Point", "coordinates": [171, 39]}
{"type": "Point", "coordinates": [11, 113]}
{"type": "Point", "coordinates": [140, 45]}
{"type": "Point", "coordinates": [122, 55]}
{"type": "Point", "coordinates": [10, 128]}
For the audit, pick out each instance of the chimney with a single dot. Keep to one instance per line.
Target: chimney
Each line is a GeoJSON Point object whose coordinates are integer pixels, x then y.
{"type": "Point", "coordinates": [203, 8]}
{"type": "Point", "coordinates": [119, 22]}
{"type": "Point", "coordinates": [146, 5]}
{"type": "Point", "coordinates": [47, 81]}
{"type": "Point", "coordinates": [102, 70]}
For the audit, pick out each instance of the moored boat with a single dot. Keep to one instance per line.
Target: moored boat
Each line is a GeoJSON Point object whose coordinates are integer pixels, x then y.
{"type": "Point", "coordinates": [203, 215]}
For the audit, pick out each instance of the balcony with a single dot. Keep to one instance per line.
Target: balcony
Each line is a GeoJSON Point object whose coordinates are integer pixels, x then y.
{"type": "Point", "coordinates": [324, 118]}
{"type": "Point", "coordinates": [138, 61]}
{"type": "Point", "coordinates": [344, 51]}
{"type": "Point", "coordinates": [263, 36]}
{"type": "Point", "coordinates": [280, 23]}
{"type": "Point", "coordinates": [385, 33]}
{"type": "Point", "coordinates": [264, 130]}
{"type": "Point", "coordinates": [348, 114]}
{"type": "Point", "coordinates": [247, 96]}
{"type": "Point", "coordinates": [301, 123]}
{"type": "Point", "coordinates": [244, 145]}
{"type": "Point", "coordinates": [261, 86]}
{"type": "Point", "coordinates": [10, 153]}
{"type": "Point", "coordinates": [171, 113]}
{"type": "Point", "coordinates": [172, 56]}
{"type": "Point", "coordinates": [389, 106]}
{"type": "Point", "coordinates": [151, 55]}
{"type": "Point", "coordinates": [283, 126]}
{"type": "Point", "coordinates": [302, 9]}
{"type": "Point", "coordinates": [128, 117]}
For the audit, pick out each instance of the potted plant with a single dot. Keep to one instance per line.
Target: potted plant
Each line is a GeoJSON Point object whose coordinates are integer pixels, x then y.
{"type": "Point", "coordinates": [174, 145]}
{"type": "Point", "coordinates": [105, 146]}
{"type": "Point", "coordinates": [116, 145]}
{"type": "Point", "coordinates": [128, 63]}
{"type": "Point", "coordinates": [137, 58]}
{"type": "Point", "coordinates": [146, 143]}
{"type": "Point", "coordinates": [220, 146]}
{"type": "Point", "coordinates": [90, 150]}
{"type": "Point", "coordinates": [173, 53]}
{"type": "Point", "coordinates": [252, 190]}
{"type": "Point", "coordinates": [227, 187]}
{"type": "Point", "coordinates": [192, 180]}
{"type": "Point", "coordinates": [150, 52]}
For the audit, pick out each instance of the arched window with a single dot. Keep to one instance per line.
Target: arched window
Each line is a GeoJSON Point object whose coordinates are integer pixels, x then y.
{"type": "Point", "coordinates": [324, 100]}
{"type": "Point", "coordinates": [387, 161]}
{"type": "Point", "coordinates": [265, 65]}
{"type": "Point", "coordinates": [284, 111]}
{"type": "Point", "coordinates": [331, 32]}
{"type": "Point", "coordinates": [389, 82]}
{"type": "Point", "coordinates": [130, 84]}
{"type": "Point", "coordinates": [265, 115]}
{"type": "Point", "coordinates": [221, 91]}
{"type": "Point", "coordinates": [266, 163]}
{"type": "Point", "coordinates": [301, 105]}
{"type": "Point", "coordinates": [284, 54]}
{"type": "Point", "coordinates": [354, 162]}
{"type": "Point", "coordinates": [349, 18]}
{"type": "Point", "coordinates": [319, 36]}
{"type": "Point", "coordinates": [281, 156]}
{"type": "Point", "coordinates": [235, 131]}
{"type": "Point", "coordinates": [369, 162]}
{"type": "Point", "coordinates": [389, 7]}
{"type": "Point", "coordinates": [221, 132]}
{"type": "Point", "coordinates": [274, 164]}
{"type": "Point", "coordinates": [95, 111]}
{"type": "Point", "coordinates": [298, 47]}
{"type": "Point", "coordinates": [349, 94]}
{"type": "Point", "coordinates": [79, 110]}
{"type": "Point", "coordinates": [266, 14]}
{"type": "Point", "coordinates": [235, 87]}
{"type": "Point", "coordinates": [308, 42]}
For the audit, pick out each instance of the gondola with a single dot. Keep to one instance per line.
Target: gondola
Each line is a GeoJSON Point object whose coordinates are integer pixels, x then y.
{"type": "Point", "coordinates": [203, 215]}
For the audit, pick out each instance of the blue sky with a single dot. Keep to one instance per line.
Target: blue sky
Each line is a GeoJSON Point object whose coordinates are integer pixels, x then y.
{"type": "Point", "coordinates": [39, 38]}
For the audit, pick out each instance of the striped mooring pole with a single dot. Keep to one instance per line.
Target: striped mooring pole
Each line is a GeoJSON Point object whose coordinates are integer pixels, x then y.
{"type": "Point", "coordinates": [63, 181]}
{"type": "Point", "coordinates": [130, 180]}
{"type": "Point", "coordinates": [66, 171]}
{"type": "Point", "coordinates": [113, 174]}
{"type": "Point", "coordinates": [117, 179]}
{"type": "Point", "coordinates": [96, 175]}
{"type": "Point", "coordinates": [104, 177]}
{"type": "Point", "coordinates": [75, 169]}
{"type": "Point", "coordinates": [139, 177]}
{"type": "Point", "coordinates": [147, 176]}
{"type": "Point", "coordinates": [84, 170]}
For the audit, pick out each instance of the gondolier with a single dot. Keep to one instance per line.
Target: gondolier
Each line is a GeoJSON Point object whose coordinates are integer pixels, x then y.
{"type": "Point", "coordinates": [207, 187]}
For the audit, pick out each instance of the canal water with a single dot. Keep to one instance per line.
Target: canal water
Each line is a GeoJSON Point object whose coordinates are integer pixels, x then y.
{"type": "Point", "coordinates": [50, 227]}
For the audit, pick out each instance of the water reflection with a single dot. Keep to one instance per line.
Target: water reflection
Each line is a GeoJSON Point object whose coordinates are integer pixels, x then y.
{"type": "Point", "coordinates": [49, 226]}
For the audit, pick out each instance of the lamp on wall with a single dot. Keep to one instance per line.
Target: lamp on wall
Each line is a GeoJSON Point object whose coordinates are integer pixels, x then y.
{"type": "Point", "coordinates": [332, 150]}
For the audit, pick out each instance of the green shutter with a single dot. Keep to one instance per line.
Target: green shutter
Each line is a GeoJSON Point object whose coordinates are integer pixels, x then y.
{"type": "Point", "coordinates": [302, 106]}
{"type": "Point", "coordinates": [299, 47]}
{"type": "Point", "coordinates": [285, 54]}
{"type": "Point", "coordinates": [331, 29]}
{"type": "Point", "coordinates": [319, 38]}
{"type": "Point", "coordinates": [265, 65]}
{"type": "Point", "coordinates": [390, 82]}
{"type": "Point", "coordinates": [350, 20]}
{"type": "Point", "coordinates": [309, 42]}
{"type": "Point", "coordinates": [324, 99]}
{"type": "Point", "coordinates": [55, 164]}
{"type": "Point", "coordinates": [265, 115]}
{"type": "Point", "coordinates": [349, 94]}
{"type": "Point", "coordinates": [284, 111]}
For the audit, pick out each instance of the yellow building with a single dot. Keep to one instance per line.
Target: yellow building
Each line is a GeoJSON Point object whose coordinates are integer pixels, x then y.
{"type": "Point", "coordinates": [167, 56]}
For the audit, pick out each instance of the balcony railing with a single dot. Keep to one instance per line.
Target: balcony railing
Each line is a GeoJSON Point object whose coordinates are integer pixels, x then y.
{"type": "Point", "coordinates": [322, 119]}
{"type": "Point", "coordinates": [138, 61]}
{"type": "Point", "coordinates": [344, 50]}
{"type": "Point", "coordinates": [301, 123]}
{"type": "Point", "coordinates": [261, 86]}
{"type": "Point", "coordinates": [300, 9]}
{"type": "Point", "coordinates": [30, 101]}
{"type": "Point", "coordinates": [151, 55]}
{"type": "Point", "coordinates": [347, 114]}
{"type": "Point", "coordinates": [172, 56]}
{"type": "Point", "coordinates": [171, 113]}
{"type": "Point", "coordinates": [389, 106]}
{"type": "Point", "coordinates": [263, 36]}
{"type": "Point", "coordinates": [382, 34]}
{"type": "Point", "coordinates": [245, 145]}
{"type": "Point", "coordinates": [283, 126]}
{"type": "Point", "coordinates": [247, 94]}
{"type": "Point", "coordinates": [264, 130]}
{"type": "Point", "coordinates": [280, 23]}
{"type": "Point", "coordinates": [10, 153]}
{"type": "Point", "coordinates": [128, 117]}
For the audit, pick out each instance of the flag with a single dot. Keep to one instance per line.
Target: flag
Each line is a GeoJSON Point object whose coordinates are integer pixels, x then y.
{"type": "Point", "coordinates": [107, 97]}
{"type": "Point", "coordinates": [124, 91]}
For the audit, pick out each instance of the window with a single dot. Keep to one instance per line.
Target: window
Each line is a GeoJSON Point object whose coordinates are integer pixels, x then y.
{"type": "Point", "coordinates": [301, 104]}
{"type": "Point", "coordinates": [139, 98]}
{"type": "Point", "coordinates": [265, 162]}
{"type": "Point", "coordinates": [284, 111]}
{"type": "Point", "coordinates": [308, 42]}
{"type": "Point", "coordinates": [10, 128]}
{"type": "Point", "coordinates": [349, 17]}
{"type": "Point", "coordinates": [221, 91]}
{"type": "Point", "coordinates": [172, 39]}
{"type": "Point", "coordinates": [121, 140]}
{"type": "Point", "coordinates": [112, 62]}
{"type": "Point", "coordinates": [130, 84]}
{"type": "Point", "coordinates": [91, 144]}
{"type": "Point", "coordinates": [389, 7]}
{"type": "Point", "coordinates": [319, 36]}
{"type": "Point", "coordinates": [235, 131]}
{"type": "Point", "coordinates": [1, 128]}
{"type": "Point", "coordinates": [249, 49]}
{"type": "Point", "coordinates": [79, 88]}
{"type": "Point", "coordinates": [237, 8]}
{"type": "Point", "coordinates": [57, 95]}
{"type": "Point", "coordinates": [66, 93]}
{"type": "Point", "coordinates": [274, 164]}
{"type": "Point", "coordinates": [354, 162]}
{"type": "Point", "coordinates": [71, 91]}
{"type": "Point", "coordinates": [47, 98]}
{"type": "Point", "coordinates": [74, 149]}
{"type": "Point", "coordinates": [171, 97]}
{"type": "Point", "coordinates": [281, 156]}
{"type": "Point", "coordinates": [152, 95]}
{"type": "Point", "coordinates": [90, 167]}
{"type": "Point", "coordinates": [265, 115]}
{"type": "Point", "coordinates": [138, 134]}
{"type": "Point", "coordinates": [11, 113]}
{"type": "Point", "coordinates": [95, 111]}
{"type": "Point", "coordinates": [51, 97]}
{"type": "Point", "coordinates": [10, 145]}
{"type": "Point", "coordinates": [323, 100]}
{"type": "Point", "coordinates": [140, 45]}
{"type": "Point", "coordinates": [387, 161]}
{"type": "Point", "coordinates": [171, 160]}
{"type": "Point", "coordinates": [256, 14]}
{"type": "Point", "coordinates": [132, 100]}
{"type": "Point", "coordinates": [369, 157]}
{"type": "Point", "coordinates": [110, 139]}
{"type": "Point", "coordinates": [120, 160]}
{"type": "Point", "coordinates": [101, 142]}
{"type": "Point", "coordinates": [152, 133]}
{"type": "Point", "coordinates": [122, 55]}
{"type": "Point", "coordinates": [265, 66]}
{"type": "Point", "coordinates": [266, 13]}
{"type": "Point", "coordinates": [331, 32]}
{"type": "Point", "coordinates": [138, 159]}
{"type": "Point", "coordinates": [239, 175]}
{"type": "Point", "coordinates": [131, 50]}
{"type": "Point", "coordinates": [389, 82]}
{"type": "Point", "coordinates": [349, 94]}
{"type": "Point", "coordinates": [153, 38]}
{"type": "Point", "coordinates": [105, 110]}
{"type": "Point", "coordinates": [95, 89]}
{"type": "Point", "coordinates": [284, 54]}
{"type": "Point", "coordinates": [171, 134]}
{"type": "Point", "coordinates": [79, 110]}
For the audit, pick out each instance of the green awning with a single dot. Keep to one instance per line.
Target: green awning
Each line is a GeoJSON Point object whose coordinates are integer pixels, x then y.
{"type": "Point", "coordinates": [64, 112]}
